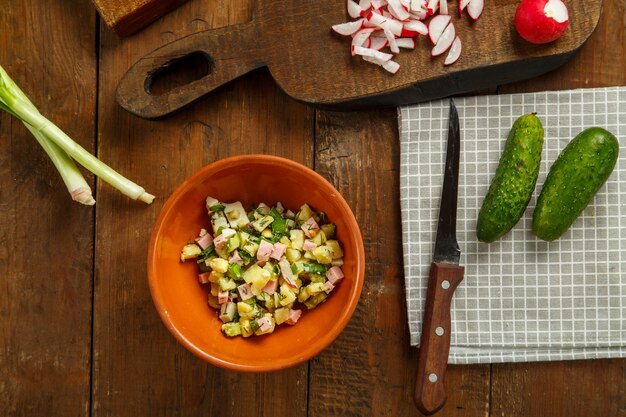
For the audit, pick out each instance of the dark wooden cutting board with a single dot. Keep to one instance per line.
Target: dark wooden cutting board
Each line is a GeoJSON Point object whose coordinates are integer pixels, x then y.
{"type": "Point", "coordinates": [126, 17]}
{"type": "Point", "coordinates": [313, 64]}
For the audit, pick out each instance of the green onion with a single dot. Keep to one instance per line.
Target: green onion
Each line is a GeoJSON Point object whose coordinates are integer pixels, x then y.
{"type": "Point", "coordinates": [62, 149]}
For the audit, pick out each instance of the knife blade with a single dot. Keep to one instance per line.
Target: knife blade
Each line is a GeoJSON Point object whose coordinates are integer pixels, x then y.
{"type": "Point", "coordinates": [445, 276]}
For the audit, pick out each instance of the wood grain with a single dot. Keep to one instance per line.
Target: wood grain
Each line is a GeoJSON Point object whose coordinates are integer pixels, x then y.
{"type": "Point", "coordinates": [370, 369]}
{"type": "Point", "coordinates": [313, 64]}
{"type": "Point", "coordinates": [126, 17]}
{"type": "Point", "coordinates": [139, 368]}
{"type": "Point", "coordinates": [46, 239]}
{"type": "Point", "coordinates": [571, 388]}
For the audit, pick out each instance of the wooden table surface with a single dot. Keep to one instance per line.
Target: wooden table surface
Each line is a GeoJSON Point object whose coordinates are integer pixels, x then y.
{"type": "Point", "coordinates": [79, 335]}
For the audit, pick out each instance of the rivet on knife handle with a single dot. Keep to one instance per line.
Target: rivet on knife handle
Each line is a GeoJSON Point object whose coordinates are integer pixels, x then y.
{"type": "Point", "coordinates": [430, 390]}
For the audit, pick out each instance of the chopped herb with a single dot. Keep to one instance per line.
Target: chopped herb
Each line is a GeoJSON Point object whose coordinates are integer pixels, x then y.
{"type": "Point", "coordinates": [216, 208]}
{"type": "Point", "coordinates": [234, 271]}
{"type": "Point", "coordinates": [245, 256]}
{"type": "Point", "coordinates": [204, 255]}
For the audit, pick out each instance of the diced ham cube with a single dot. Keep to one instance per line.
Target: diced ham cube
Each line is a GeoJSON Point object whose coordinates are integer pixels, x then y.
{"type": "Point", "coordinates": [271, 286]}
{"type": "Point", "coordinates": [222, 297]}
{"type": "Point", "coordinates": [309, 244]}
{"type": "Point", "coordinates": [220, 241]}
{"type": "Point", "coordinates": [235, 258]}
{"type": "Point", "coordinates": [334, 274]}
{"type": "Point", "coordinates": [310, 227]}
{"type": "Point", "coordinates": [204, 241]}
{"type": "Point", "coordinates": [294, 315]}
{"type": "Point", "coordinates": [264, 251]}
{"type": "Point", "coordinates": [328, 287]}
{"type": "Point", "coordinates": [278, 251]}
{"type": "Point", "coordinates": [245, 291]}
{"type": "Point", "coordinates": [204, 277]}
{"type": "Point", "coordinates": [264, 324]}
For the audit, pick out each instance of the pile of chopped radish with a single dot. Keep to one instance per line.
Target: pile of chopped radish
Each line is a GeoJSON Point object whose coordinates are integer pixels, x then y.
{"type": "Point", "coordinates": [395, 24]}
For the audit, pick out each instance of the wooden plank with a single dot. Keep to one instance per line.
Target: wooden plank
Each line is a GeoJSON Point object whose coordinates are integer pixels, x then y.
{"type": "Point", "coordinates": [370, 369]}
{"type": "Point", "coordinates": [571, 388]}
{"type": "Point", "coordinates": [126, 17]}
{"type": "Point", "coordinates": [46, 239]}
{"type": "Point", "coordinates": [139, 368]}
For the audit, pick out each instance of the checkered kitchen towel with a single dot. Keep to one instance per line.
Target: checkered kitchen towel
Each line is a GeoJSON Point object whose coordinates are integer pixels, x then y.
{"type": "Point", "coordinates": [522, 299]}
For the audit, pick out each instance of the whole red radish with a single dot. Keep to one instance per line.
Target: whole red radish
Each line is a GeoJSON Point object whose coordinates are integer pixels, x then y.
{"type": "Point", "coordinates": [541, 21]}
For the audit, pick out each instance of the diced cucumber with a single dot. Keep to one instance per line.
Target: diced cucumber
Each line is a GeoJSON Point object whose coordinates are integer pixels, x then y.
{"type": "Point", "coordinates": [226, 284]}
{"type": "Point", "coordinates": [297, 268]}
{"type": "Point", "coordinates": [227, 312]}
{"type": "Point", "coordinates": [267, 233]}
{"type": "Point", "coordinates": [222, 252]}
{"type": "Point", "coordinates": [233, 243]}
{"type": "Point", "coordinates": [190, 251]}
{"type": "Point", "coordinates": [250, 248]}
{"type": "Point", "coordinates": [263, 209]}
{"type": "Point", "coordinates": [231, 329]}
{"type": "Point", "coordinates": [309, 255]}
{"type": "Point", "coordinates": [236, 214]}
{"type": "Point", "coordinates": [260, 224]}
{"type": "Point", "coordinates": [234, 272]}
{"type": "Point", "coordinates": [314, 268]}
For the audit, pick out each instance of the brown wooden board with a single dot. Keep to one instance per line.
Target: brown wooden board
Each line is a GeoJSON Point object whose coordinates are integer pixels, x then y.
{"type": "Point", "coordinates": [313, 64]}
{"type": "Point", "coordinates": [126, 17]}
{"type": "Point", "coordinates": [46, 239]}
{"type": "Point", "coordinates": [139, 368]}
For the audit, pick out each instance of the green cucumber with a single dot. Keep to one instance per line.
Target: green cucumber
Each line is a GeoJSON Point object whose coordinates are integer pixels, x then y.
{"type": "Point", "coordinates": [575, 177]}
{"type": "Point", "coordinates": [514, 181]}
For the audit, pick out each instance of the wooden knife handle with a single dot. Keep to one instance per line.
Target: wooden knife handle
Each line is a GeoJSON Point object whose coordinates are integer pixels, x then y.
{"type": "Point", "coordinates": [430, 390]}
{"type": "Point", "coordinates": [229, 52]}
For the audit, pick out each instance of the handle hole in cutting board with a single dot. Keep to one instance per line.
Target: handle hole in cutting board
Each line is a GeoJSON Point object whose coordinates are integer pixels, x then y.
{"type": "Point", "coordinates": [179, 72]}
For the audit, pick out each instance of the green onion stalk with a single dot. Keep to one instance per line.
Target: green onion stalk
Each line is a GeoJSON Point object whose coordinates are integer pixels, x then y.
{"type": "Point", "coordinates": [62, 150]}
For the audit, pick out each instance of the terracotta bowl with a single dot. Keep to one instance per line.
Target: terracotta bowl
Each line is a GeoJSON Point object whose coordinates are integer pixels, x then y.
{"type": "Point", "coordinates": [182, 302]}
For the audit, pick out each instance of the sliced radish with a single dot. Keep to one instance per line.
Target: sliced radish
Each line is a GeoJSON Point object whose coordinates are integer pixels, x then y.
{"type": "Point", "coordinates": [462, 5]}
{"type": "Point", "coordinates": [432, 7]}
{"type": "Point", "coordinates": [378, 4]}
{"type": "Point", "coordinates": [393, 45]}
{"type": "Point", "coordinates": [379, 43]}
{"type": "Point", "coordinates": [391, 66]}
{"type": "Point", "coordinates": [354, 10]}
{"type": "Point", "coordinates": [444, 41]}
{"type": "Point", "coordinates": [348, 28]}
{"type": "Point", "coordinates": [416, 26]}
{"type": "Point", "coordinates": [361, 38]}
{"type": "Point", "coordinates": [443, 6]}
{"type": "Point", "coordinates": [454, 53]}
{"type": "Point", "coordinates": [406, 4]}
{"type": "Point", "coordinates": [437, 25]}
{"type": "Point", "coordinates": [406, 43]}
{"type": "Point", "coordinates": [372, 53]}
{"type": "Point", "coordinates": [397, 10]}
{"type": "Point", "coordinates": [384, 23]}
{"type": "Point", "coordinates": [365, 4]}
{"type": "Point", "coordinates": [475, 8]}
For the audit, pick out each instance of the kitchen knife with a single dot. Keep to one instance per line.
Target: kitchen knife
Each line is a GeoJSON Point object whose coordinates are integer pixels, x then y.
{"type": "Point", "coordinates": [445, 276]}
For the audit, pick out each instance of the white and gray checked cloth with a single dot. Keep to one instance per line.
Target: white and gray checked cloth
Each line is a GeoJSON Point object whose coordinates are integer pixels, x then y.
{"type": "Point", "coordinates": [522, 299]}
